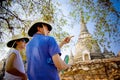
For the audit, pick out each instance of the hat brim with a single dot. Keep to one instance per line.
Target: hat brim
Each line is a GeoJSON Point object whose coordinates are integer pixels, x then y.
{"type": "Point", "coordinates": [10, 43]}
{"type": "Point", "coordinates": [33, 28]}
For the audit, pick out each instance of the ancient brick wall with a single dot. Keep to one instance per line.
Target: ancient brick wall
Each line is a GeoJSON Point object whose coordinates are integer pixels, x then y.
{"type": "Point", "coordinates": [99, 69]}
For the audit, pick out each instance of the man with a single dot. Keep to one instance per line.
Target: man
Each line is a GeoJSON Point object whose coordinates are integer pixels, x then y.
{"type": "Point", "coordinates": [14, 68]}
{"type": "Point", "coordinates": [43, 54]}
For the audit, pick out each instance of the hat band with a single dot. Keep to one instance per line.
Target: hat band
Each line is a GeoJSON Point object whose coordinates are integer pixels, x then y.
{"type": "Point", "coordinates": [13, 44]}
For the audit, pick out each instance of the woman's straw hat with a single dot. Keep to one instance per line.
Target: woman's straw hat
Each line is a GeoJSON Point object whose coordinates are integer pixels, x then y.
{"type": "Point", "coordinates": [15, 38]}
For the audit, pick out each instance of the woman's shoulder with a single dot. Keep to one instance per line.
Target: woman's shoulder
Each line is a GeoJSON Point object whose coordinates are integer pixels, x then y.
{"type": "Point", "coordinates": [13, 51]}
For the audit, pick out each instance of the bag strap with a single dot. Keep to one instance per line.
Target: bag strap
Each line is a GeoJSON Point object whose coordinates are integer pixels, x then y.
{"type": "Point", "coordinates": [3, 68]}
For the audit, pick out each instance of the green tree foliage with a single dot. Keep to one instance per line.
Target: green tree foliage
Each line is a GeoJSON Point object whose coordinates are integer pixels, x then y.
{"type": "Point", "coordinates": [16, 16]}
{"type": "Point", "coordinates": [105, 16]}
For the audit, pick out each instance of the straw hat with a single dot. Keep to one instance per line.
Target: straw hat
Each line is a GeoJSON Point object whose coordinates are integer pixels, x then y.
{"type": "Point", "coordinates": [33, 28]}
{"type": "Point", "coordinates": [11, 43]}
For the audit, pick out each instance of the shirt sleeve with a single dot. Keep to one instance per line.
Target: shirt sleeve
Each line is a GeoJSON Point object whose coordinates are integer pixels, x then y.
{"type": "Point", "coordinates": [53, 47]}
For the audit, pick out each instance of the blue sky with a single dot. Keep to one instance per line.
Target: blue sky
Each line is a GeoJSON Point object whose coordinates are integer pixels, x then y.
{"type": "Point", "coordinates": [75, 31]}
{"type": "Point", "coordinates": [66, 8]}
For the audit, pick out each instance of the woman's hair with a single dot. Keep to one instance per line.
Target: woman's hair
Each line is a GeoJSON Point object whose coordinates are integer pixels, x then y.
{"type": "Point", "coordinates": [15, 44]}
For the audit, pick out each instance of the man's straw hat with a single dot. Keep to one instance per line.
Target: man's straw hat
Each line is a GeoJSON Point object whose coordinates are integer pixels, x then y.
{"type": "Point", "coordinates": [33, 28]}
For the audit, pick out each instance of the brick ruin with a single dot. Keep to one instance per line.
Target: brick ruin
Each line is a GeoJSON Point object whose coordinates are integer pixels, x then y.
{"type": "Point", "coordinates": [99, 69]}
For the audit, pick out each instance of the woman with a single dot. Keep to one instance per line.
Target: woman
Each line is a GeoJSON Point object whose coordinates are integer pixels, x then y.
{"type": "Point", "coordinates": [14, 64]}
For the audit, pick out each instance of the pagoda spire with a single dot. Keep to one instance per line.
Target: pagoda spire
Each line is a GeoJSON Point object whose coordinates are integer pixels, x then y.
{"type": "Point", "coordinates": [83, 24]}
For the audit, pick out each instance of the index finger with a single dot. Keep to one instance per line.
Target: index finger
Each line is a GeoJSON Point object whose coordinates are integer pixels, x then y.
{"type": "Point", "coordinates": [71, 36]}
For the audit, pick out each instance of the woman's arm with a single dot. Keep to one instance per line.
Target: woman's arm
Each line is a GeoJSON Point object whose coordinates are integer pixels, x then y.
{"type": "Point", "coordinates": [10, 68]}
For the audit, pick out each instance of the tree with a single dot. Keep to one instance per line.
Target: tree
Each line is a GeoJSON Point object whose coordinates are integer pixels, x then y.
{"type": "Point", "coordinates": [105, 16]}
{"type": "Point", "coordinates": [16, 17]}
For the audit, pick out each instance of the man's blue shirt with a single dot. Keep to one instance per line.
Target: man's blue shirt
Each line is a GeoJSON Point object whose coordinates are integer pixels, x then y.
{"type": "Point", "coordinates": [39, 57]}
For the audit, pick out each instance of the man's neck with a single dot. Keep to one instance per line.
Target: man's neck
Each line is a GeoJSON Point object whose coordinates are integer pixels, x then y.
{"type": "Point", "coordinates": [40, 33]}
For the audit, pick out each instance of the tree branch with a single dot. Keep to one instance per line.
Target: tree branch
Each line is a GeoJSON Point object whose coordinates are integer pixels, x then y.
{"type": "Point", "coordinates": [9, 27]}
{"type": "Point", "coordinates": [6, 21]}
{"type": "Point", "coordinates": [12, 14]}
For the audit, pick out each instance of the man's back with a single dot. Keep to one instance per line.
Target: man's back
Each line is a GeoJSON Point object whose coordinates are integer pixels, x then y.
{"type": "Point", "coordinates": [39, 56]}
